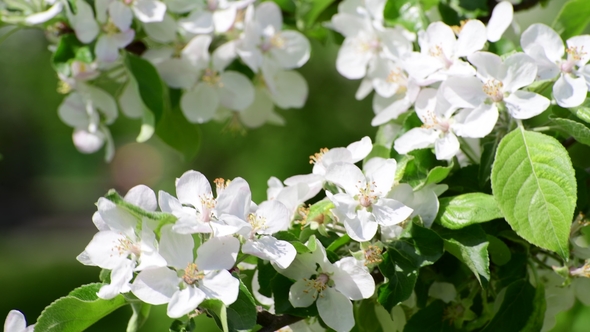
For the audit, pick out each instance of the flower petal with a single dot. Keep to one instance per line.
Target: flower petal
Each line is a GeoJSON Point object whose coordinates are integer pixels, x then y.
{"type": "Point", "coordinates": [545, 37]}
{"type": "Point", "coordinates": [218, 253]}
{"type": "Point", "coordinates": [198, 22]}
{"type": "Point", "coordinates": [191, 187]}
{"type": "Point", "coordinates": [236, 91]}
{"type": "Point", "coordinates": [476, 123]}
{"type": "Point", "coordinates": [347, 176]}
{"type": "Point", "coordinates": [525, 104]}
{"type": "Point", "coordinates": [500, 21]}
{"type": "Point", "coordinates": [521, 71]}
{"type": "Point", "coordinates": [177, 249]}
{"type": "Point", "coordinates": [184, 301]}
{"type": "Point", "coordinates": [446, 147]}
{"type": "Point", "coordinates": [335, 309]}
{"type": "Point", "coordinates": [155, 286]}
{"type": "Point", "coordinates": [221, 285]}
{"type": "Point", "coordinates": [361, 228]}
{"type": "Point", "coordinates": [472, 38]}
{"type": "Point", "coordinates": [570, 91]}
{"type": "Point", "coordinates": [164, 31]}
{"type": "Point", "coordinates": [415, 138]}
{"type": "Point", "coordinates": [302, 294]}
{"type": "Point", "coordinates": [149, 10]}
{"type": "Point", "coordinates": [15, 322]}
{"type": "Point", "coordinates": [353, 280]}
{"type": "Point", "coordinates": [88, 142]}
{"type": "Point", "coordinates": [199, 105]}
{"type": "Point", "coordinates": [281, 253]}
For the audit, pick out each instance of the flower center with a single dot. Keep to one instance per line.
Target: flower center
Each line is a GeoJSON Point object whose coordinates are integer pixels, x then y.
{"type": "Point", "coordinates": [221, 185]}
{"type": "Point", "coordinates": [317, 157]}
{"type": "Point", "coordinates": [367, 195]}
{"type": "Point", "coordinates": [212, 78]}
{"type": "Point", "coordinates": [126, 247]}
{"type": "Point", "coordinates": [110, 28]}
{"type": "Point", "coordinates": [398, 77]}
{"type": "Point", "coordinates": [258, 223]}
{"type": "Point", "coordinates": [493, 88]}
{"type": "Point", "coordinates": [319, 284]}
{"type": "Point", "coordinates": [373, 255]}
{"type": "Point", "coordinates": [430, 120]}
{"type": "Point", "coordinates": [207, 205]}
{"type": "Point", "coordinates": [437, 52]}
{"type": "Point", "coordinates": [192, 274]}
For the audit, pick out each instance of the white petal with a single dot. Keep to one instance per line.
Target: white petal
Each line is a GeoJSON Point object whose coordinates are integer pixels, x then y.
{"type": "Point", "coordinates": [269, 14]}
{"type": "Point", "coordinates": [520, 71]}
{"type": "Point", "coordinates": [390, 212]}
{"type": "Point", "coordinates": [364, 89]}
{"type": "Point", "coordinates": [103, 251]}
{"type": "Point", "coordinates": [184, 301]}
{"type": "Point", "coordinates": [88, 142]}
{"type": "Point", "coordinates": [282, 253]}
{"type": "Point", "coordinates": [168, 203]}
{"type": "Point", "coordinates": [83, 22]}
{"type": "Point", "coordinates": [335, 309]}
{"type": "Point", "coordinates": [354, 279]}
{"type": "Point", "coordinates": [259, 111]}
{"type": "Point", "coordinates": [580, 43]}
{"type": "Point", "coordinates": [199, 105]}
{"type": "Point", "coordinates": [149, 10]}
{"type": "Point", "coordinates": [472, 38]}
{"type": "Point", "coordinates": [525, 104]}
{"type": "Point", "coordinates": [15, 322]}
{"type": "Point", "coordinates": [381, 173]}
{"type": "Point", "coordinates": [352, 59]}
{"type": "Point", "coordinates": [142, 196]}
{"type": "Point", "coordinates": [360, 228]}
{"type": "Point", "coordinates": [489, 65]}
{"type": "Point", "coordinates": [44, 16]}
{"type": "Point", "coordinates": [103, 101]}
{"type": "Point", "coordinates": [349, 25]}
{"type": "Point", "coordinates": [235, 199]}
{"type": "Point", "coordinates": [570, 91]}
{"type": "Point", "coordinates": [302, 294]}
{"type": "Point", "coordinates": [446, 147]}
{"type": "Point", "coordinates": [293, 50]}
{"type": "Point", "coordinates": [177, 73]}
{"type": "Point", "coordinates": [199, 22]}
{"type": "Point", "coordinates": [120, 277]}
{"type": "Point", "coordinates": [463, 92]}
{"type": "Point", "coordinates": [121, 15]}
{"type": "Point", "coordinates": [218, 253]}
{"type": "Point", "coordinates": [236, 91]}
{"type": "Point", "coordinates": [276, 215]}
{"type": "Point", "coordinates": [223, 19]}
{"type": "Point", "coordinates": [163, 32]}
{"type": "Point", "coordinates": [106, 49]}
{"type": "Point", "coordinates": [387, 109]}
{"type": "Point", "coordinates": [224, 55]}
{"type": "Point", "coordinates": [420, 65]}
{"type": "Point", "coordinates": [359, 150]}
{"type": "Point", "coordinates": [415, 138]}
{"type": "Point", "coordinates": [116, 218]}
{"type": "Point", "coordinates": [290, 89]}
{"type": "Point", "coordinates": [545, 37]}
{"type": "Point", "coordinates": [476, 123]}
{"type": "Point", "coordinates": [221, 285]}
{"type": "Point", "coordinates": [347, 176]}
{"type": "Point", "coordinates": [500, 21]}
{"type": "Point", "coordinates": [197, 51]}
{"type": "Point", "coordinates": [191, 187]}
{"type": "Point", "coordinates": [177, 249]}
{"type": "Point", "coordinates": [155, 286]}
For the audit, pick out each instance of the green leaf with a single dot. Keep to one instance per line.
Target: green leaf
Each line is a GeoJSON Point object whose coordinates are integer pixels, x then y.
{"type": "Point", "coordinates": [534, 183]}
{"type": "Point", "coordinates": [402, 260]}
{"type": "Point", "coordinates": [516, 309]}
{"type": "Point", "coordinates": [384, 139]}
{"type": "Point", "coordinates": [470, 246]}
{"type": "Point", "coordinates": [365, 316]}
{"type": "Point", "coordinates": [486, 161]}
{"type": "Point", "coordinates": [78, 310]}
{"type": "Point", "coordinates": [572, 19]}
{"type": "Point", "coordinates": [343, 240]}
{"type": "Point", "coordinates": [424, 169]}
{"type": "Point", "coordinates": [176, 131]}
{"type": "Point", "coordinates": [580, 131]}
{"type": "Point", "coordinates": [582, 112]}
{"type": "Point", "coordinates": [431, 318]}
{"type": "Point", "coordinates": [241, 315]}
{"type": "Point", "coordinates": [218, 310]}
{"type": "Point", "coordinates": [309, 10]}
{"type": "Point", "coordinates": [281, 286]}
{"type": "Point", "coordinates": [151, 87]}
{"type": "Point", "coordinates": [409, 13]}
{"type": "Point", "coordinates": [265, 274]}
{"type": "Point", "coordinates": [68, 49]}
{"type": "Point", "coordinates": [535, 322]}
{"type": "Point", "coordinates": [141, 312]}
{"type": "Point", "coordinates": [499, 251]}
{"type": "Point", "coordinates": [467, 209]}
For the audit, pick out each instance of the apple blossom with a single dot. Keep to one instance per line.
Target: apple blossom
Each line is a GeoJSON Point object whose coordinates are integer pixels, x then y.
{"type": "Point", "coordinates": [331, 286]}
{"type": "Point", "coordinates": [190, 280]}
{"type": "Point", "coordinates": [363, 205]}
{"type": "Point", "coordinates": [212, 16]}
{"type": "Point", "coordinates": [15, 322]}
{"type": "Point", "coordinates": [545, 46]}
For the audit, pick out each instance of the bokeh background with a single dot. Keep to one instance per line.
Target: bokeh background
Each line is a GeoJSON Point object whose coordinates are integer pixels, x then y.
{"type": "Point", "coordinates": [48, 189]}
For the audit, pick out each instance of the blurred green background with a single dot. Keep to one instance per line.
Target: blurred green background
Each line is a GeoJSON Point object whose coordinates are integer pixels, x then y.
{"type": "Point", "coordinates": [48, 189]}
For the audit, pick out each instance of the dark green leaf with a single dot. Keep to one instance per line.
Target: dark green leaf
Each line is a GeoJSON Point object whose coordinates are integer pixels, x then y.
{"type": "Point", "coordinates": [218, 310]}
{"type": "Point", "coordinates": [486, 161]}
{"type": "Point", "coordinates": [265, 275]}
{"type": "Point", "coordinates": [141, 312]}
{"type": "Point", "coordinates": [464, 210]}
{"type": "Point", "coordinates": [241, 315]}
{"type": "Point", "coordinates": [77, 311]}
{"type": "Point", "coordinates": [151, 87]}
{"type": "Point", "coordinates": [365, 316]}
{"type": "Point", "coordinates": [470, 246]}
{"type": "Point", "coordinates": [572, 19]}
{"type": "Point", "coordinates": [309, 10]}
{"type": "Point", "coordinates": [400, 283]}
{"type": "Point", "coordinates": [431, 319]}
{"type": "Point", "coordinates": [281, 286]}
{"type": "Point", "coordinates": [499, 251]}
{"type": "Point", "coordinates": [68, 49]}
{"type": "Point", "coordinates": [516, 309]}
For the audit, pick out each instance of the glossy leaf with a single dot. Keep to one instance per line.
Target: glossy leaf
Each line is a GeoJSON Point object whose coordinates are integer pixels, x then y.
{"type": "Point", "coordinates": [579, 131]}
{"type": "Point", "coordinates": [470, 246]}
{"type": "Point", "coordinates": [467, 209]}
{"type": "Point", "coordinates": [218, 310]}
{"type": "Point", "coordinates": [516, 309]}
{"type": "Point", "coordinates": [241, 315]}
{"type": "Point", "coordinates": [533, 181]}
{"type": "Point", "coordinates": [572, 19]}
{"type": "Point", "coordinates": [77, 311]}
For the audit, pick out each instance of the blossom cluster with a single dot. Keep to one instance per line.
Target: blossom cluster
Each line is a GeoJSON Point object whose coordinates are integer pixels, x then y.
{"type": "Point", "coordinates": [192, 45]}
{"type": "Point", "coordinates": [186, 252]}
{"type": "Point", "coordinates": [455, 86]}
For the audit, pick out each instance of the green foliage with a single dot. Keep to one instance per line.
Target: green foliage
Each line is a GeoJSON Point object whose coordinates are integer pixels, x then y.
{"type": "Point", "coordinates": [409, 13]}
{"type": "Point", "coordinates": [467, 209]}
{"type": "Point", "coordinates": [572, 19]}
{"type": "Point", "coordinates": [470, 246]}
{"type": "Point", "coordinates": [579, 130]}
{"type": "Point", "coordinates": [534, 183]}
{"type": "Point", "coordinates": [241, 315]}
{"type": "Point", "coordinates": [68, 50]}
{"type": "Point", "coordinates": [78, 310]}
{"type": "Point", "coordinates": [151, 86]}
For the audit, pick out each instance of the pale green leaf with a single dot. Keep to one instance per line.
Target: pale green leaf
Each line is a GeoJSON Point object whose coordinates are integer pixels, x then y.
{"type": "Point", "coordinates": [572, 19]}
{"type": "Point", "coordinates": [580, 131]}
{"type": "Point", "coordinates": [77, 311]}
{"type": "Point", "coordinates": [467, 209]}
{"type": "Point", "coordinates": [534, 183]}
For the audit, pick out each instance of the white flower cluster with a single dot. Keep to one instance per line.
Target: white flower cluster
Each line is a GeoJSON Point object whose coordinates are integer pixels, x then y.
{"type": "Point", "coordinates": [456, 88]}
{"type": "Point", "coordinates": [186, 253]}
{"type": "Point", "coordinates": [191, 44]}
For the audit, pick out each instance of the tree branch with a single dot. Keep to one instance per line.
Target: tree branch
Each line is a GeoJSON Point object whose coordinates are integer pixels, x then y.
{"type": "Point", "coordinates": [271, 323]}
